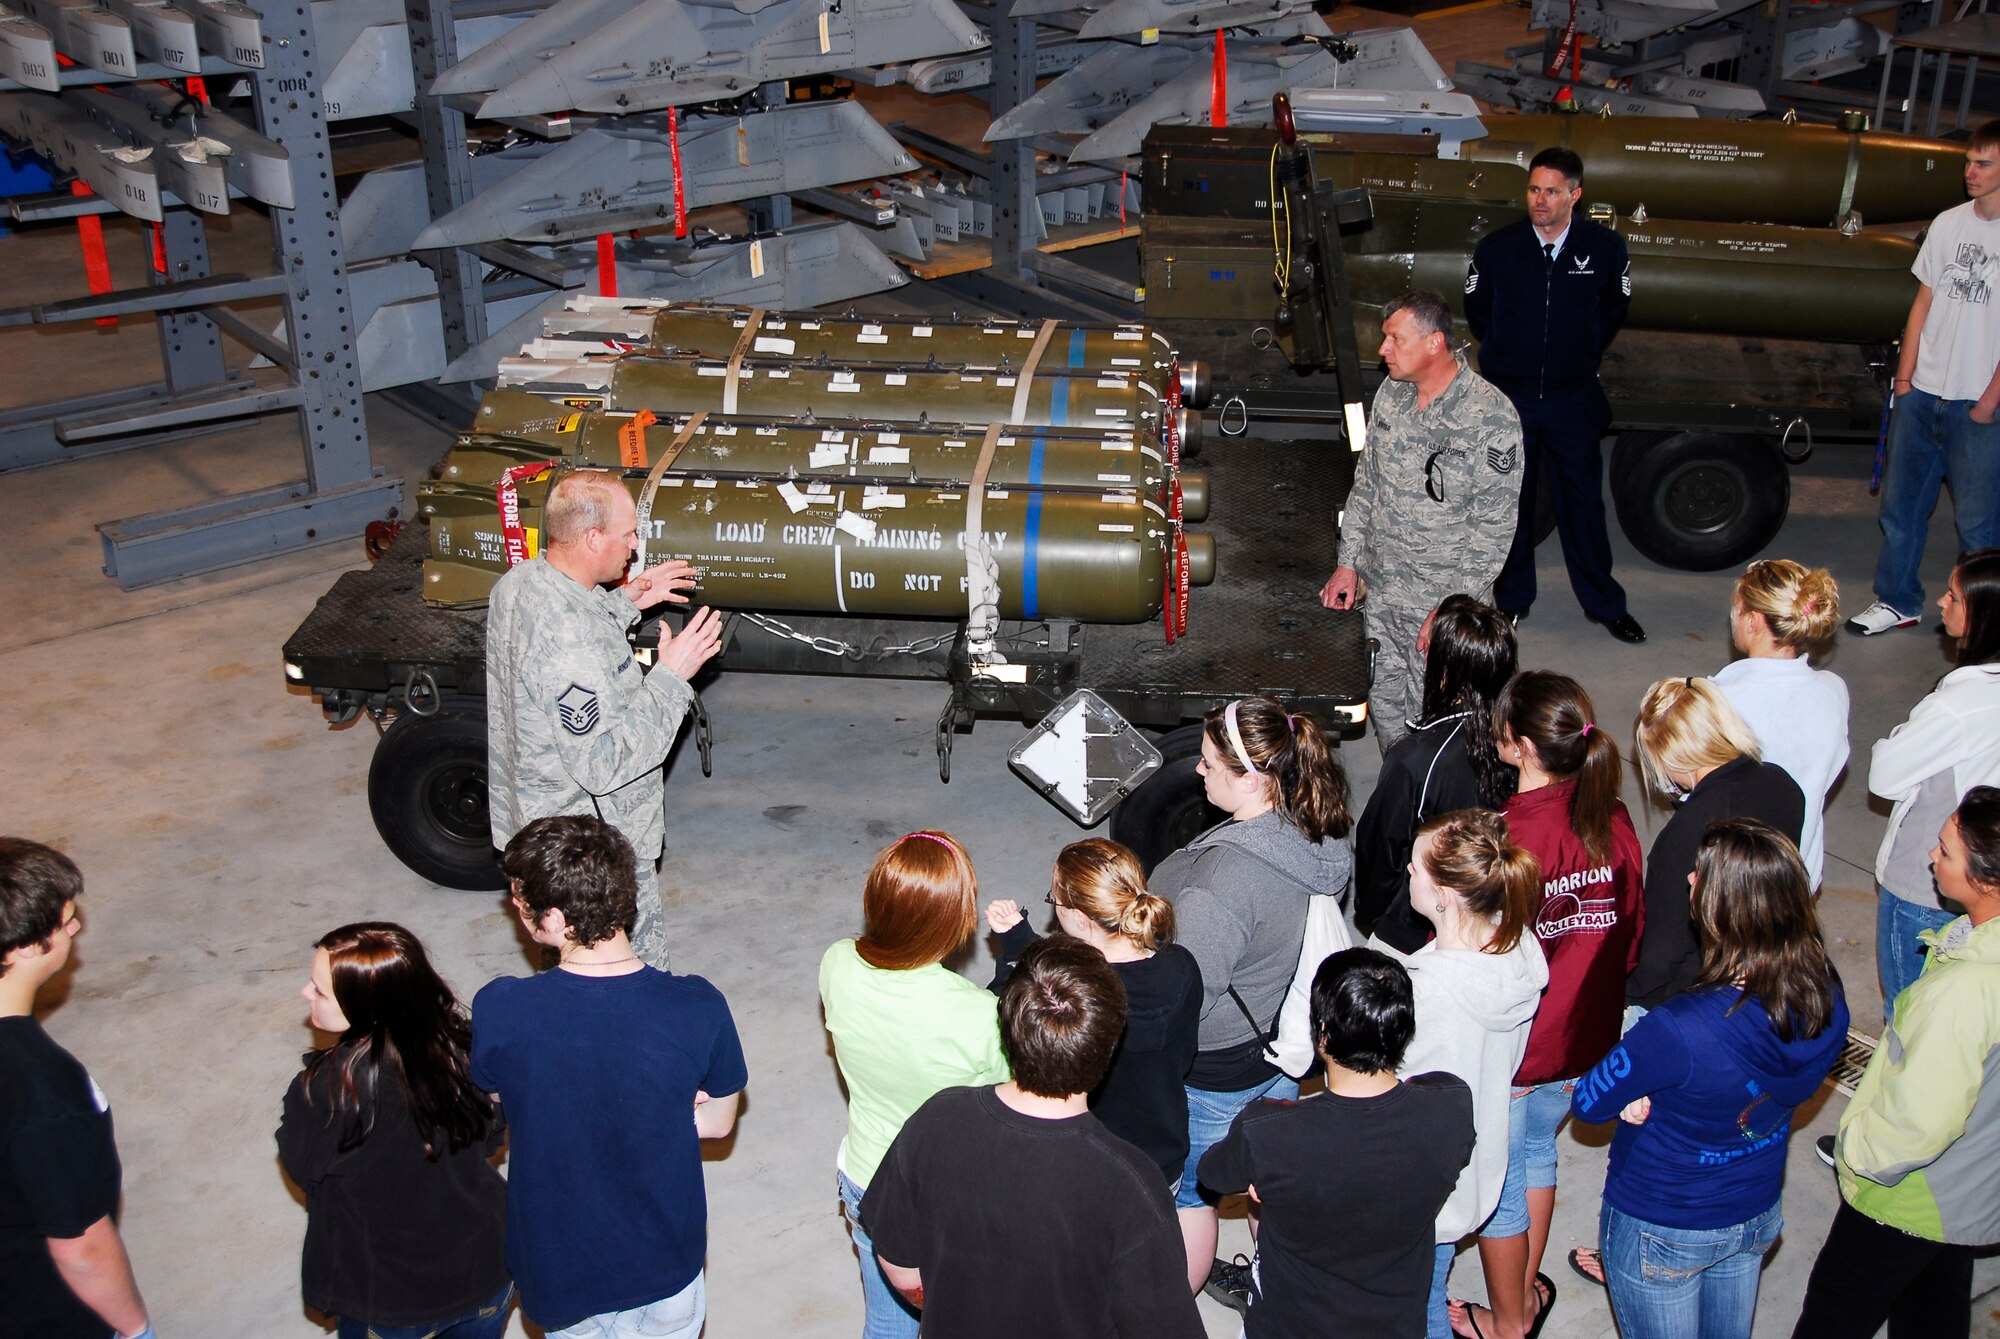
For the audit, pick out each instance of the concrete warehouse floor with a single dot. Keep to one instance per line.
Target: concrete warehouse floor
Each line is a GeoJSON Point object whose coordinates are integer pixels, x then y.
{"type": "Point", "coordinates": [222, 827]}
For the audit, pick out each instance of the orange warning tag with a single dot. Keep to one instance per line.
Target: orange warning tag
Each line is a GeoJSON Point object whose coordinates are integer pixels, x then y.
{"type": "Point", "coordinates": [632, 439]}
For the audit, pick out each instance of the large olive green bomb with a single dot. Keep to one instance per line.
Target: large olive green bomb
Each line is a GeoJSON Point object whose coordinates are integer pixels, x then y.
{"type": "Point", "coordinates": [1707, 171]}
{"type": "Point", "coordinates": [813, 547]}
{"type": "Point", "coordinates": [704, 331]}
{"type": "Point", "coordinates": [1757, 280]}
{"type": "Point", "coordinates": [1725, 171]}
{"type": "Point", "coordinates": [514, 428]}
{"type": "Point", "coordinates": [772, 388]}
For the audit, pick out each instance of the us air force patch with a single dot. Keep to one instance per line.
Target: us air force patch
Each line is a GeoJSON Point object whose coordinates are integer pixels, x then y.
{"type": "Point", "coordinates": [578, 709]}
{"type": "Point", "coordinates": [1501, 462]}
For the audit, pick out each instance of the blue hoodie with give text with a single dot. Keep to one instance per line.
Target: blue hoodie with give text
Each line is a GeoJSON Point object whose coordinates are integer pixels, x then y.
{"type": "Point", "coordinates": [1711, 1152]}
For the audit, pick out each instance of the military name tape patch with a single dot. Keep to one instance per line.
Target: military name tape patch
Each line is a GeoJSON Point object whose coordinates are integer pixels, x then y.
{"type": "Point", "coordinates": [578, 709]}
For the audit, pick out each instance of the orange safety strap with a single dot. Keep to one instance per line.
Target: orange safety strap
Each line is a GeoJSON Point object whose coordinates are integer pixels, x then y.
{"type": "Point", "coordinates": [632, 439]}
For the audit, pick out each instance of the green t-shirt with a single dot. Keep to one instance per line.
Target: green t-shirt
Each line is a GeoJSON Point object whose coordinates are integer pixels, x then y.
{"type": "Point", "coordinates": [899, 1038]}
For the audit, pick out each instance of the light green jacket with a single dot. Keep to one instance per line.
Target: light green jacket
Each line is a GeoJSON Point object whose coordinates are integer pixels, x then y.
{"type": "Point", "coordinates": [1919, 1147]}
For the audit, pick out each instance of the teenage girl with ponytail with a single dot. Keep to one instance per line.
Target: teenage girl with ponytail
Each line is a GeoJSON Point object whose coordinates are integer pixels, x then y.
{"type": "Point", "coordinates": [1099, 895]}
{"type": "Point", "coordinates": [1778, 614]}
{"type": "Point", "coordinates": [1477, 985]}
{"type": "Point", "coordinates": [1239, 893]}
{"type": "Point", "coordinates": [1589, 913]}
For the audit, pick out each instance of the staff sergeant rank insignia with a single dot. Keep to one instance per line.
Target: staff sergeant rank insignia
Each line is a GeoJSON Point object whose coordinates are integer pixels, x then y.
{"type": "Point", "coordinates": [578, 709]}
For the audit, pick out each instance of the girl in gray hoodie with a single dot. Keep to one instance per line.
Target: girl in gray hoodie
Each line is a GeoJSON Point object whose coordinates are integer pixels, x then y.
{"type": "Point", "coordinates": [1239, 894]}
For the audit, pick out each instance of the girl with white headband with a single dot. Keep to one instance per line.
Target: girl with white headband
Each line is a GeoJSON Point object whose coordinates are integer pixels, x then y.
{"type": "Point", "coordinates": [1239, 893]}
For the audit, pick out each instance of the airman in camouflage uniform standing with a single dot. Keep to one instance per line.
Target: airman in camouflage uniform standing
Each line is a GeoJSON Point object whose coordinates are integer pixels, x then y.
{"type": "Point", "coordinates": [574, 726]}
{"type": "Point", "coordinates": [1433, 508]}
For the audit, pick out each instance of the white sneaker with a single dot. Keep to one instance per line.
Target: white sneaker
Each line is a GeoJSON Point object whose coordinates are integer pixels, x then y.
{"type": "Point", "coordinates": [1879, 617]}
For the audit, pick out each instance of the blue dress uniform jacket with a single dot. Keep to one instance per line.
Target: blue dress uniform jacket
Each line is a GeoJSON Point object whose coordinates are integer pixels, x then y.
{"type": "Point", "coordinates": [1542, 328]}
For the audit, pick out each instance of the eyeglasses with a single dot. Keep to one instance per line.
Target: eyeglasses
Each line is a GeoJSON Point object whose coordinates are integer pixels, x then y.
{"type": "Point", "coordinates": [1050, 898]}
{"type": "Point", "coordinates": [1434, 477]}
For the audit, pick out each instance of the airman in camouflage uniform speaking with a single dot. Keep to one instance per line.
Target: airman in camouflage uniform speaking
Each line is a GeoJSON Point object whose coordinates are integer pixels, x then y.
{"type": "Point", "coordinates": [1433, 508]}
{"type": "Point", "coordinates": [574, 726]}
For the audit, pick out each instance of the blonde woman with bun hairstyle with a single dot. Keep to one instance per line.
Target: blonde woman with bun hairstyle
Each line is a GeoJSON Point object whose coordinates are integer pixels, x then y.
{"type": "Point", "coordinates": [1099, 895]}
{"type": "Point", "coordinates": [1779, 614]}
{"type": "Point", "coordinates": [1697, 752]}
{"type": "Point", "coordinates": [1477, 986]}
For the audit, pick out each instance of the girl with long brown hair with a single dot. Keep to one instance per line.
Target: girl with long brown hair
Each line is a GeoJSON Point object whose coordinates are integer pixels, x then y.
{"type": "Point", "coordinates": [392, 1143]}
{"type": "Point", "coordinates": [1589, 913]}
{"type": "Point", "coordinates": [1477, 984]}
{"type": "Point", "coordinates": [1704, 1087]}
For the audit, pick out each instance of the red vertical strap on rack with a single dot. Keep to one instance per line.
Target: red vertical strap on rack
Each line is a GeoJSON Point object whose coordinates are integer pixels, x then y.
{"type": "Point", "coordinates": [197, 89]}
{"type": "Point", "coordinates": [511, 529]}
{"type": "Point", "coordinates": [607, 266]}
{"type": "Point", "coordinates": [1564, 45]}
{"type": "Point", "coordinates": [680, 187]}
{"type": "Point", "coordinates": [1121, 202]}
{"type": "Point", "coordinates": [159, 234]}
{"type": "Point", "coordinates": [1218, 87]}
{"type": "Point", "coordinates": [96, 260]}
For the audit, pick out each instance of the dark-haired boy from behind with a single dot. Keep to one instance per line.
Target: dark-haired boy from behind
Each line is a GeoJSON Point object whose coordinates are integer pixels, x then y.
{"type": "Point", "coordinates": [612, 1072]}
{"type": "Point", "coordinates": [64, 1273]}
{"type": "Point", "coordinates": [1350, 1182]}
{"type": "Point", "coordinates": [1011, 1211]}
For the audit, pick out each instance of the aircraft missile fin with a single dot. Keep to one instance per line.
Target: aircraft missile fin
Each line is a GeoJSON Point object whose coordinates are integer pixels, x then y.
{"type": "Point", "coordinates": [1121, 18]}
{"type": "Point", "coordinates": [185, 165]}
{"type": "Point", "coordinates": [64, 135]}
{"type": "Point", "coordinates": [27, 52]}
{"type": "Point", "coordinates": [161, 32]}
{"type": "Point", "coordinates": [521, 50]}
{"type": "Point", "coordinates": [255, 164]}
{"type": "Point", "coordinates": [1255, 73]}
{"type": "Point", "coordinates": [667, 53]}
{"type": "Point", "coordinates": [1097, 90]}
{"type": "Point", "coordinates": [229, 29]}
{"type": "Point", "coordinates": [389, 207]}
{"type": "Point", "coordinates": [87, 33]}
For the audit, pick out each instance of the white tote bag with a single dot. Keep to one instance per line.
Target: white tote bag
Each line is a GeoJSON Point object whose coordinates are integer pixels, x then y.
{"type": "Point", "coordinates": [1326, 933]}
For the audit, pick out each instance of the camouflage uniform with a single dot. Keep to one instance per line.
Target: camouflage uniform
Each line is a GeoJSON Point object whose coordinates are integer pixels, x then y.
{"type": "Point", "coordinates": [1413, 550]}
{"type": "Point", "coordinates": [574, 726]}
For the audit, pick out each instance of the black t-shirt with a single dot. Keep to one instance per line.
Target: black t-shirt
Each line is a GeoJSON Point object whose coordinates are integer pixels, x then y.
{"type": "Point", "coordinates": [1142, 1098]}
{"type": "Point", "coordinates": [58, 1175]}
{"type": "Point", "coordinates": [1351, 1188]}
{"type": "Point", "coordinates": [1021, 1226]}
{"type": "Point", "coordinates": [392, 1237]}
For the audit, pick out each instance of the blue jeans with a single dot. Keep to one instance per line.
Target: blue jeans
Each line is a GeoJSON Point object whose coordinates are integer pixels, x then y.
{"type": "Point", "coordinates": [678, 1317]}
{"type": "Point", "coordinates": [885, 1315]}
{"type": "Point", "coordinates": [1685, 1282]}
{"type": "Point", "coordinates": [488, 1320]}
{"type": "Point", "coordinates": [1437, 1315]}
{"type": "Point", "coordinates": [1899, 954]}
{"type": "Point", "coordinates": [1209, 1117]}
{"type": "Point", "coordinates": [1932, 441]}
{"type": "Point", "coordinates": [1533, 1117]}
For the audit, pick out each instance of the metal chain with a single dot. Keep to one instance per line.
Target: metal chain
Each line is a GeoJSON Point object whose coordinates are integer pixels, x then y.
{"type": "Point", "coordinates": [831, 647]}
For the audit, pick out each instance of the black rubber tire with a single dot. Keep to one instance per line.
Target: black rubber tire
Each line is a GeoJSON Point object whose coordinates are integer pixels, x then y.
{"type": "Point", "coordinates": [1170, 808]}
{"type": "Point", "coordinates": [427, 792]}
{"type": "Point", "coordinates": [1700, 501]}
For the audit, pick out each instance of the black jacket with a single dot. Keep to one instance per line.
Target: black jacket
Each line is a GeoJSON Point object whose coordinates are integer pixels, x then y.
{"type": "Point", "coordinates": [1542, 328]}
{"type": "Point", "coordinates": [391, 1237]}
{"type": "Point", "coordinates": [1669, 954]}
{"type": "Point", "coordinates": [1426, 773]}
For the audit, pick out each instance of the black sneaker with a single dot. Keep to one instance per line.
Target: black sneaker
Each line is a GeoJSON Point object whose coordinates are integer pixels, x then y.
{"type": "Point", "coordinates": [1229, 1283]}
{"type": "Point", "coordinates": [1822, 1146]}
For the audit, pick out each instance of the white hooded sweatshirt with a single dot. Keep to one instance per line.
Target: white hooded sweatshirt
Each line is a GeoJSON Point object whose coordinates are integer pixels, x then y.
{"type": "Point", "coordinates": [1473, 1015]}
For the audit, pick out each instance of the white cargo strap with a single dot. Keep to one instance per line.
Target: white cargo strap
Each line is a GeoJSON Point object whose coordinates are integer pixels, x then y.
{"type": "Point", "coordinates": [1026, 381]}
{"type": "Point", "coordinates": [652, 486]}
{"type": "Point", "coordinates": [982, 567]}
{"type": "Point", "coordinates": [743, 344]}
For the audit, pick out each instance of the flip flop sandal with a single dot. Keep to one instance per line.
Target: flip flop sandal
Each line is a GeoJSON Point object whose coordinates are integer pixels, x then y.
{"type": "Point", "coordinates": [1594, 1256]}
{"type": "Point", "coordinates": [1545, 1286]}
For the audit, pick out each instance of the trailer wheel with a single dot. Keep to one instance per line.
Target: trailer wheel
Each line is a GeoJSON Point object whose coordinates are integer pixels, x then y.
{"type": "Point", "coordinates": [1170, 809]}
{"type": "Point", "coordinates": [427, 792]}
{"type": "Point", "coordinates": [1699, 500]}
